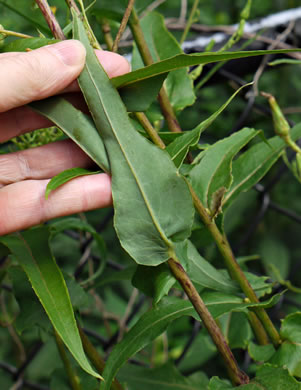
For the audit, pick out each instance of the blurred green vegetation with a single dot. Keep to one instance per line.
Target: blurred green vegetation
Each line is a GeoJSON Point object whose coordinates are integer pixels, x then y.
{"type": "Point", "coordinates": [284, 82]}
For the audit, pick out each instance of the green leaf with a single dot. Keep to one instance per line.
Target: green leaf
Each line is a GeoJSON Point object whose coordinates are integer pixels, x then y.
{"type": "Point", "coordinates": [27, 43]}
{"type": "Point", "coordinates": [163, 45]}
{"type": "Point", "coordinates": [64, 177]}
{"type": "Point", "coordinates": [202, 273]}
{"type": "Point", "coordinates": [288, 355]}
{"type": "Point", "coordinates": [267, 378]}
{"type": "Point", "coordinates": [213, 172]}
{"type": "Point", "coordinates": [275, 256]}
{"type": "Point", "coordinates": [183, 60]}
{"type": "Point", "coordinates": [148, 327]}
{"type": "Point", "coordinates": [166, 377]}
{"type": "Point", "coordinates": [261, 353]}
{"type": "Point", "coordinates": [179, 148]}
{"type": "Point", "coordinates": [78, 126]}
{"type": "Point", "coordinates": [253, 164]}
{"type": "Point", "coordinates": [207, 122]}
{"type": "Point", "coordinates": [239, 332]}
{"type": "Point", "coordinates": [154, 282]}
{"type": "Point", "coordinates": [275, 378]}
{"type": "Point", "coordinates": [139, 95]}
{"type": "Point", "coordinates": [138, 181]}
{"type": "Point", "coordinates": [31, 310]}
{"type": "Point", "coordinates": [22, 9]}
{"type": "Point", "coordinates": [33, 253]}
{"type": "Point", "coordinates": [259, 284]}
{"type": "Point", "coordinates": [157, 319]}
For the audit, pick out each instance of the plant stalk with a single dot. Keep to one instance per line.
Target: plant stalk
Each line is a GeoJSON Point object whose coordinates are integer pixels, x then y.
{"type": "Point", "coordinates": [258, 329]}
{"type": "Point", "coordinates": [73, 379]}
{"type": "Point", "coordinates": [123, 24]}
{"type": "Point", "coordinates": [95, 358]}
{"type": "Point", "coordinates": [233, 267]}
{"type": "Point", "coordinates": [145, 53]}
{"type": "Point", "coordinates": [190, 21]}
{"type": "Point", "coordinates": [237, 376]}
{"type": "Point", "coordinates": [51, 19]}
{"type": "Point", "coordinates": [153, 135]}
{"type": "Point", "coordinates": [14, 34]}
{"type": "Point", "coordinates": [106, 30]}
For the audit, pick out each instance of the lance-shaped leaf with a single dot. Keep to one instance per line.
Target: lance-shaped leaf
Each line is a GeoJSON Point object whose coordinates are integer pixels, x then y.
{"type": "Point", "coordinates": [27, 43]}
{"type": "Point", "coordinates": [33, 253]}
{"type": "Point", "coordinates": [253, 164]}
{"type": "Point", "coordinates": [166, 377]}
{"type": "Point", "coordinates": [153, 281]}
{"type": "Point", "coordinates": [179, 148]}
{"type": "Point", "coordinates": [183, 60]}
{"type": "Point", "coordinates": [139, 95]}
{"type": "Point", "coordinates": [153, 206]}
{"type": "Point", "coordinates": [204, 274]}
{"type": "Point", "coordinates": [78, 126]}
{"type": "Point", "coordinates": [156, 320]}
{"type": "Point", "coordinates": [64, 177]}
{"type": "Point", "coordinates": [213, 172]}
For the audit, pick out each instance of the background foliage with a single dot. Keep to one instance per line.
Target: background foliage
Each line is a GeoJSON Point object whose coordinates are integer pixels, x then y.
{"type": "Point", "coordinates": [263, 223]}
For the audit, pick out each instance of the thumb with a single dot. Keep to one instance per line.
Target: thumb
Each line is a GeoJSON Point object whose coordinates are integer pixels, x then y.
{"type": "Point", "coordinates": [40, 73]}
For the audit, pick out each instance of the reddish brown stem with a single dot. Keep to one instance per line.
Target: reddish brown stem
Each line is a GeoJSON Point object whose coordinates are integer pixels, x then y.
{"type": "Point", "coordinates": [51, 19]}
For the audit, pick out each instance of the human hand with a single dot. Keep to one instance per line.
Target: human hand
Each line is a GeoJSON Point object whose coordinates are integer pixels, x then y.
{"type": "Point", "coordinates": [25, 77]}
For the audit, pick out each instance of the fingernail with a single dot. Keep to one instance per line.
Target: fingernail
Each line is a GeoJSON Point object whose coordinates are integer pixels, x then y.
{"type": "Point", "coordinates": [70, 52]}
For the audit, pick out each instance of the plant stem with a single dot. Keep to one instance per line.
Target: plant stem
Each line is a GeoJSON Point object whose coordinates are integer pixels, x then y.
{"type": "Point", "coordinates": [95, 358]}
{"type": "Point", "coordinates": [14, 34]}
{"type": "Point", "coordinates": [145, 53]}
{"type": "Point", "coordinates": [154, 136]}
{"type": "Point", "coordinates": [237, 376]}
{"type": "Point", "coordinates": [258, 329]}
{"type": "Point", "coordinates": [72, 5]}
{"type": "Point", "coordinates": [106, 29]}
{"type": "Point", "coordinates": [123, 24]}
{"type": "Point", "coordinates": [233, 267]}
{"type": "Point", "coordinates": [190, 21]}
{"type": "Point", "coordinates": [74, 381]}
{"type": "Point", "coordinates": [51, 19]}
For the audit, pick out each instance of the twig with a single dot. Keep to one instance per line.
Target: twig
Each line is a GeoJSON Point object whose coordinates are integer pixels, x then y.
{"type": "Point", "coordinates": [190, 21]}
{"type": "Point", "coordinates": [123, 24]}
{"type": "Point", "coordinates": [233, 267]}
{"type": "Point", "coordinates": [237, 376]}
{"type": "Point", "coordinates": [165, 104]}
{"type": "Point", "coordinates": [123, 321]}
{"type": "Point", "coordinates": [72, 5]}
{"type": "Point", "coordinates": [14, 34]}
{"type": "Point", "coordinates": [51, 19]}
{"type": "Point", "coordinates": [183, 12]}
{"type": "Point", "coordinates": [154, 136]}
{"type": "Point", "coordinates": [152, 7]}
{"type": "Point", "coordinates": [106, 29]}
{"type": "Point", "coordinates": [95, 358]}
{"type": "Point", "coordinates": [265, 59]}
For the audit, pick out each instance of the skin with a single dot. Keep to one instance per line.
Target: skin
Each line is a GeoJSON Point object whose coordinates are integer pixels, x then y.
{"type": "Point", "coordinates": [25, 77]}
